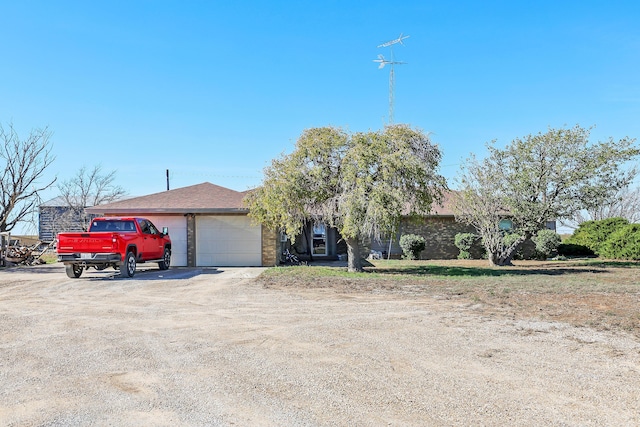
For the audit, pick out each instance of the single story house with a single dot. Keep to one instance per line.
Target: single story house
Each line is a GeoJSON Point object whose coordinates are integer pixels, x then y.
{"type": "Point", "coordinates": [208, 225]}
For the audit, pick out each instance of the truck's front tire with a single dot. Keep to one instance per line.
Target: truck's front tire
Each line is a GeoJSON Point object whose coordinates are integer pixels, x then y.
{"type": "Point", "coordinates": [73, 270]}
{"type": "Point", "coordinates": [166, 260]}
{"type": "Point", "coordinates": [128, 267]}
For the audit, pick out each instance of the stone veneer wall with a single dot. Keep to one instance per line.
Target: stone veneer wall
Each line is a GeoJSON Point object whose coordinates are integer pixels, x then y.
{"type": "Point", "coordinates": [270, 245]}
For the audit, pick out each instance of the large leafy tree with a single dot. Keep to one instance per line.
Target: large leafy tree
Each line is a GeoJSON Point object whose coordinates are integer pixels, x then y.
{"type": "Point", "coordinates": [23, 163]}
{"type": "Point", "coordinates": [538, 178]}
{"type": "Point", "coordinates": [360, 183]}
{"type": "Point", "coordinates": [480, 203]}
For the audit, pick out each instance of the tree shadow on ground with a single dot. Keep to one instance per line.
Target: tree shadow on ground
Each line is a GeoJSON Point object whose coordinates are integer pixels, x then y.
{"type": "Point", "coordinates": [607, 263]}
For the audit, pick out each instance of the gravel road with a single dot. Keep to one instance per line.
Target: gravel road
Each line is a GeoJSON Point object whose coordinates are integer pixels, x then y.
{"type": "Point", "coordinates": [213, 347]}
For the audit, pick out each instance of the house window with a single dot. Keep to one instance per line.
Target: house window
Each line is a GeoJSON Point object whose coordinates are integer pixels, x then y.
{"type": "Point", "coordinates": [319, 239]}
{"type": "Point", "coordinates": [506, 225]}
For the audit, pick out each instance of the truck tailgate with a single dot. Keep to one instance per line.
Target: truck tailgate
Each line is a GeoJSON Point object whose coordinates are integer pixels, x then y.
{"type": "Point", "coordinates": [87, 242]}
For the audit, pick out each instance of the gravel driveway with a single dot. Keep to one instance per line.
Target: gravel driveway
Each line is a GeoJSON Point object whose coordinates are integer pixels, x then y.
{"type": "Point", "coordinates": [212, 347]}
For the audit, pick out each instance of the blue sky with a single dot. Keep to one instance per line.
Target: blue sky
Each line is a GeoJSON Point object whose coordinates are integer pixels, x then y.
{"type": "Point", "coordinates": [214, 90]}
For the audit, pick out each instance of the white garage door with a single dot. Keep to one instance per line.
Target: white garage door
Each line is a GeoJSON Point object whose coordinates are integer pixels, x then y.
{"type": "Point", "coordinates": [230, 241]}
{"type": "Point", "coordinates": [178, 233]}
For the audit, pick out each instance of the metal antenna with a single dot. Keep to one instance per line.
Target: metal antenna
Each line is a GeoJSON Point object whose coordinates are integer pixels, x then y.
{"type": "Point", "coordinates": [392, 62]}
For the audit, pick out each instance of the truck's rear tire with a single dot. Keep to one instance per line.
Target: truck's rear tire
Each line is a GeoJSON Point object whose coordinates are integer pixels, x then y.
{"type": "Point", "coordinates": [128, 267]}
{"type": "Point", "coordinates": [166, 260]}
{"type": "Point", "coordinates": [73, 271]}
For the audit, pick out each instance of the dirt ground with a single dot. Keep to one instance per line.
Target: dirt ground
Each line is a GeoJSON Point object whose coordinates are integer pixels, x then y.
{"type": "Point", "coordinates": [221, 348]}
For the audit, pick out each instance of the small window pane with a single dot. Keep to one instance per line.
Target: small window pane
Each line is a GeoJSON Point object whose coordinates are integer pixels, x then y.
{"type": "Point", "coordinates": [506, 224]}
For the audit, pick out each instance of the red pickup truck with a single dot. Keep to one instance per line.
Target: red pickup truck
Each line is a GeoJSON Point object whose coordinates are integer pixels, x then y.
{"type": "Point", "coordinates": [114, 242]}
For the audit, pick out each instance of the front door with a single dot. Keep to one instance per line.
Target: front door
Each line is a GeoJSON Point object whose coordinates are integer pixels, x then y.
{"type": "Point", "coordinates": [319, 239]}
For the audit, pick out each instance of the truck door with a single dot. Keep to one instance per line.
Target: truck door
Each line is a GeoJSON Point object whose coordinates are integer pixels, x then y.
{"type": "Point", "coordinates": [152, 240]}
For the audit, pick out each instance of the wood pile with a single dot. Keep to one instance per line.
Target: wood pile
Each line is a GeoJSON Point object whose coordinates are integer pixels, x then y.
{"type": "Point", "coordinates": [26, 255]}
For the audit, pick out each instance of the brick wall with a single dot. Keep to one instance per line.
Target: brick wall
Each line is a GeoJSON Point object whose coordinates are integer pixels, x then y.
{"type": "Point", "coordinates": [439, 234]}
{"type": "Point", "coordinates": [191, 240]}
{"type": "Point", "coordinates": [270, 245]}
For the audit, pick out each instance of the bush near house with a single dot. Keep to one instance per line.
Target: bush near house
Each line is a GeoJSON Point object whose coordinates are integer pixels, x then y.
{"type": "Point", "coordinates": [547, 242]}
{"type": "Point", "coordinates": [464, 241]}
{"type": "Point", "coordinates": [593, 234]}
{"type": "Point", "coordinates": [624, 243]}
{"type": "Point", "coordinates": [412, 245]}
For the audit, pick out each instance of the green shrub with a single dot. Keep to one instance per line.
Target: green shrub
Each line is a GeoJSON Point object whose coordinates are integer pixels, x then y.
{"type": "Point", "coordinates": [624, 243]}
{"type": "Point", "coordinates": [464, 241]}
{"type": "Point", "coordinates": [547, 242]}
{"type": "Point", "coordinates": [593, 234]}
{"type": "Point", "coordinates": [412, 245]}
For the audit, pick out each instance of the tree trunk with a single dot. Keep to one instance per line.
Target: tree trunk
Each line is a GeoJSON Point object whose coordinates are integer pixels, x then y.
{"type": "Point", "coordinates": [505, 256]}
{"type": "Point", "coordinates": [497, 260]}
{"type": "Point", "coordinates": [354, 256]}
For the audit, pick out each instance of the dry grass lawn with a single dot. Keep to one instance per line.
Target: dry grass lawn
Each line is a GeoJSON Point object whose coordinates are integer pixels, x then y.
{"type": "Point", "coordinates": [604, 295]}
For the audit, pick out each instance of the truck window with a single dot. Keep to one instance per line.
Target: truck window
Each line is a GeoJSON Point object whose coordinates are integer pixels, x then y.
{"type": "Point", "coordinates": [144, 226]}
{"type": "Point", "coordinates": [98, 226]}
{"type": "Point", "coordinates": [113, 225]}
{"type": "Point", "coordinates": [153, 229]}
{"type": "Point", "coordinates": [128, 227]}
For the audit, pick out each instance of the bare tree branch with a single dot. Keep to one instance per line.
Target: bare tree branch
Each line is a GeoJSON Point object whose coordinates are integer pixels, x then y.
{"type": "Point", "coordinates": [86, 188]}
{"type": "Point", "coordinates": [625, 203]}
{"type": "Point", "coordinates": [25, 162]}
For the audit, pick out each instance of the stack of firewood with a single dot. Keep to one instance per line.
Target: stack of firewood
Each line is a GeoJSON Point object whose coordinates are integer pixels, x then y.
{"type": "Point", "coordinates": [24, 255]}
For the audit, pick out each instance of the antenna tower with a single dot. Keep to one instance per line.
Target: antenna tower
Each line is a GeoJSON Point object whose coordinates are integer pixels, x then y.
{"type": "Point", "coordinates": [392, 79]}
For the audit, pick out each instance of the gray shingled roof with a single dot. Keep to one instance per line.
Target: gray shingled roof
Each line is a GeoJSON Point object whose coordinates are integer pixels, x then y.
{"type": "Point", "coordinates": [200, 198]}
